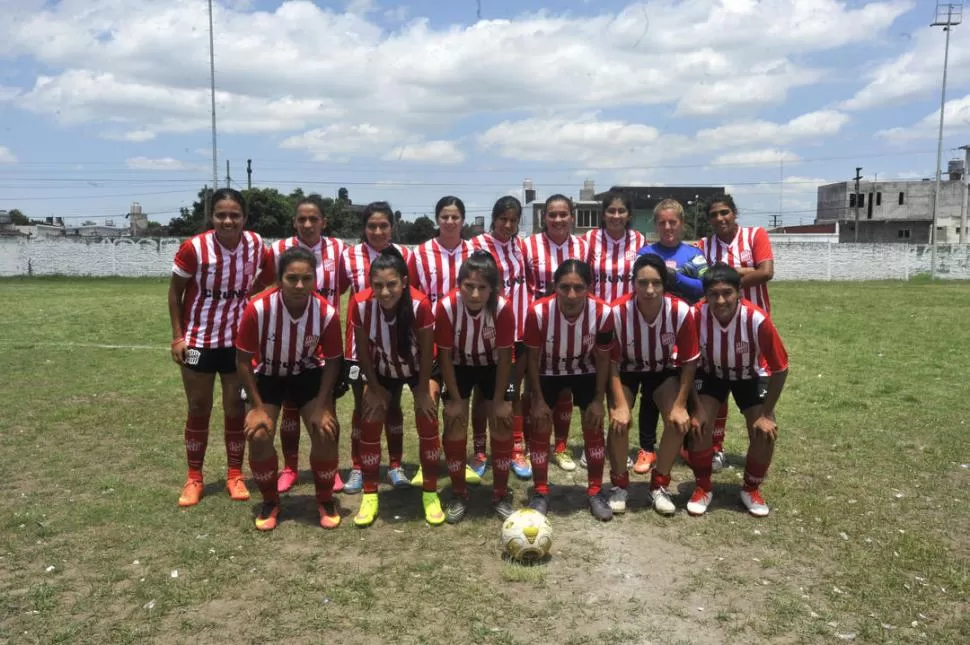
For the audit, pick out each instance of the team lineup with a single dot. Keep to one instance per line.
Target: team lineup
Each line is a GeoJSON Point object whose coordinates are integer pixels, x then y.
{"type": "Point", "coordinates": [507, 335]}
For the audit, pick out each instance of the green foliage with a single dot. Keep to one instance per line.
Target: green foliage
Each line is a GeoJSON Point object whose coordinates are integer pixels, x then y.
{"type": "Point", "coordinates": [696, 223]}
{"type": "Point", "coordinates": [18, 218]}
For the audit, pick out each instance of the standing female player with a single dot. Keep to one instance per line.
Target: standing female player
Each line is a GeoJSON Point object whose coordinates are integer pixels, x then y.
{"type": "Point", "coordinates": [544, 252]}
{"type": "Point", "coordinates": [748, 250]}
{"type": "Point", "coordinates": [656, 342]}
{"type": "Point", "coordinates": [570, 335]}
{"type": "Point", "coordinates": [378, 222]}
{"type": "Point", "coordinates": [503, 244]}
{"type": "Point", "coordinates": [739, 348]}
{"type": "Point", "coordinates": [474, 332]}
{"type": "Point", "coordinates": [288, 349]}
{"type": "Point", "coordinates": [212, 277]}
{"type": "Point", "coordinates": [309, 223]}
{"type": "Point", "coordinates": [394, 333]}
{"type": "Point", "coordinates": [612, 249]}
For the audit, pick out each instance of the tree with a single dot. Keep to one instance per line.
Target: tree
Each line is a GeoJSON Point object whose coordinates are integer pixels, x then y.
{"type": "Point", "coordinates": [18, 218]}
{"type": "Point", "coordinates": [696, 212]}
{"type": "Point", "coordinates": [421, 231]}
{"type": "Point", "coordinates": [343, 195]}
{"type": "Point", "coordinates": [270, 212]}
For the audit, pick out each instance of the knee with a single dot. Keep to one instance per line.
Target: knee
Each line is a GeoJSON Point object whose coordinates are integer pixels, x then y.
{"type": "Point", "coordinates": [261, 439]}
{"type": "Point", "coordinates": [200, 405]}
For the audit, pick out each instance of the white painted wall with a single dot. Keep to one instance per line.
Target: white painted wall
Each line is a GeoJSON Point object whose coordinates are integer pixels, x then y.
{"type": "Point", "coordinates": [793, 260]}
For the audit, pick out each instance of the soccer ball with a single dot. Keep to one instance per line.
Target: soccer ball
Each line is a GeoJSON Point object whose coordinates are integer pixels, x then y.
{"type": "Point", "coordinates": [526, 536]}
{"type": "Point", "coordinates": [696, 267]}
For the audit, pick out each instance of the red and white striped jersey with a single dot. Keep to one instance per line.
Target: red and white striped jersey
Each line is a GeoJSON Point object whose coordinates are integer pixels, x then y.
{"type": "Point", "coordinates": [612, 262]}
{"type": "Point", "coordinates": [433, 269]}
{"type": "Point", "coordinates": [568, 346]}
{"type": "Point", "coordinates": [328, 275]}
{"type": "Point", "coordinates": [749, 248]}
{"type": "Point", "coordinates": [543, 257]}
{"type": "Point", "coordinates": [355, 268]}
{"type": "Point", "coordinates": [664, 343]}
{"type": "Point", "coordinates": [367, 316]}
{"type": "Point", "coordinates": [510, 258]}
{"type": "Point", "coordinates": [219, 283]}
{"type": "Point", "coordinates": [747, 347]}
{"type": "Point", "coordinates": [475, 338]}
{"type": "Point", "coordinates": [285, 346]}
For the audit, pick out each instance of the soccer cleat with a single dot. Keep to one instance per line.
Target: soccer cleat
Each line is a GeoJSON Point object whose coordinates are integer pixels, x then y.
{"type": "Point", "coordinates": [540, 503]}
{"type": "Point", "coordinates": [600, 508]}
{"type": "Point", "coordinates": [397, 478]}
{"type": "Point", "coordinates": [367, 512]}
{"type": "Point", "coordinates": [338, 484]}
{"type": "Point", "coordinates": [455, 509]}
{"type": "Point", "coordinates": [699, 501]}
{"type": "Point", "coordinates": [521, 466]}
{"type": "Point", "coordinates": [479, 463]}
{"type": "Point", "coordinates": [565, 461]}
{"type": "Point", "coordinates": [268, 517]}
{"type": "Point", "coordinates": [662, 502]}
{"type": "Point", "coordinates": [236, 486]}
{"type": "Point", "coordinates": [191, 492]}
{"type": "Point", "coordinates": [418, 480]}
{"type": "Point", "coordinates": [618, 497]}
{"type": "Point", "coordinates": [471, 477]}
{"type": "Point", "coordinates": [718, 462]}
{"type": "Point", "coordinates": [503, 506]}
{"type": "Point", "coordinates": [754, 502]}
{"type": "Point", "coordinates": [432, 508]}
{"type": "Point", "coordinates": [354, 483]}
{"type": "Point", "coordinates": [329, 514]}
{"type": "Point", "coordinates": [645, 461]}
{"type": "Point", "coordinates": [582, 460]}
{"type": "Point", "coordinates": [286, 479]}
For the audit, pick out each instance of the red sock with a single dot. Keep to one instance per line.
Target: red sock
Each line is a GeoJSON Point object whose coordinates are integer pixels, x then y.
{"type": "Point", "coordinates": [235, 444]}
{"type": "Point", "coordinates": [265, 473]}
{"type": "Point", "coordinates": [595, 446]}
{"type": "Point", "coordinates": [561, 417]}
{"type": "Point", "coordinates": [370, 454]}
{"type": "Point", "coordinates": [290, 436]}
{"type": "Point", "coordinates": [196, 439]}
{"type": "Point", "coordinates": [621, 480]}
{"type": "Point", "coordinates": [429, 446]}
{"type": "Point", "coordinates": [701, 463]}
{"type": "Point", "coordinates": [355, 440]}
{"type": "Point", "coordinates": [754, 474]}
{"type": "Point", "coordinates": [324, 471]}
{"type": "Point", "coordinates": [720, 427]}
{"type": "Point", "coordinates": [394, 429]}
{"type": "Point", "coordinates": [455, 459]}
{"type": "Point", "coordinates": [540, 462]}
{"type": "Point", "coordinates": [479, 436]}
{"type": "Point", "coordinates": [657, 480]}
{"type": "Point", "coordinates": [501, 460]}
{"type": "Point", "coordinates": [518, 436]}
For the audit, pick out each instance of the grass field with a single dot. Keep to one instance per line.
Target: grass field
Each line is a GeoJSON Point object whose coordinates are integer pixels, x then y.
{"type": "Point", "coordinates": [868, 540]}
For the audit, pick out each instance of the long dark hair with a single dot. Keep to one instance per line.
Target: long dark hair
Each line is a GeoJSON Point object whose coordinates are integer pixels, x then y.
{"type": "Point", "coordinates": [391, 258]}
{"type": "Point", "coordinates": [449, 200]}
{"type": "Point", "coordinates": [608, 200]}
{"type": "Point", "coordinates": [376, 208]}
{"type": "Point", "coordinates": [655, 262]}
{"type": "Point", "coordinates": [556, 198]}
{"type": "Point", "coordinates": [482, 263]}
{"type": "Point", "coordinates": [725, 199]}
{"type": "Point", "coordinates": [507, 203]}
{"type": "Point", "coordinates": [291, 255]}
{"type": "Point", "coordinates": [721, 272]}
{"type": "Point", "coordinates": [231, 194]}
{"type": "Point", "coordinates": [578, 267]}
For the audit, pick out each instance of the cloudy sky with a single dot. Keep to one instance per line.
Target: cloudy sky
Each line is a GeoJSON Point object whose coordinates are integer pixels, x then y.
{"type": "Point", "coordinates": [103, 102]}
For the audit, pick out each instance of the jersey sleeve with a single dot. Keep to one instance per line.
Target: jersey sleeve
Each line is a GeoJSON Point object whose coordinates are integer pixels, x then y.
{"type": "Point", "coordinates": [692, 287]}
{"type": "Point", "coordinates": [413, 272]}
{"type": "Point", "coordinates": [605, 338]}
{"type": "Point", "coordinates": [267, 266]}
{"type": "Point", "coordinates": [330, 343]}
{"type": "Point", "coordinates": [423, 318]}
{"type": "Point", "coordinates": [354, 309]}
{"type": "Point", "coordinates": [688, 342]}
{"type": "Point", "coordinates": [247, 336]}
{"type": "Point", "coordinates": [444, 331]}
{"type": "Point", "coordinates": [505, 327]}
{"type": "Point", "coordinates": [533, 335]}
{"type": "Point", "coordinates": [186, 262]}
{"type": "Point", "coordinates": [762, 247]}
{"type": "Point", "coordinates": [772, 349]}
{"type": "Point", "coordinates": [343, 271]}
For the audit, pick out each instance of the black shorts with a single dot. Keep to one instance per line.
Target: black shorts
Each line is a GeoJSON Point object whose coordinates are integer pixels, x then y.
{"type": "Point", "coordinates": [352, 373]}
{"type": "Point", "coordinates": [582, 386]}
{"type": "Point", "coordinates": [646, 382]}
{"type": "Point", "coordinates": [298, 389]}
{"type": "Point", "coordinates": [747, 393]}
{"type": "Point", "coordinates": [518, 352]}
{"type": "Point", "coordinates": [483, 376]}
{"type": "Point", "coordinates": [215, 360]}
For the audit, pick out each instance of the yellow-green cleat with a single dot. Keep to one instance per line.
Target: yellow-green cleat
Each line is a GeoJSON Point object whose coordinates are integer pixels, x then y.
{"type": "Point", "coordinates": [471, 477]}
{"type": "Point", "coordinates": [418, 480]}
{"type": "Point", "coordinates": [432, 509]}
{"type": "Point", "coordinates": [368, 510]}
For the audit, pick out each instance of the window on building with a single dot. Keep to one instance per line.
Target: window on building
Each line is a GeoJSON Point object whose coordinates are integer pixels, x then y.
{"type": "Point", "coordinates": [903, 233]}
{"type": "Point", "coordinates": [901, 198]}
{"type": "Point", "coordinates": [587, 218]}
{"type": "Point", "coordinates": [852, 200]}
{"type": "Point", "coordinates": [862, 200]}
{"type": "Point", "coordinates": [878, 199]}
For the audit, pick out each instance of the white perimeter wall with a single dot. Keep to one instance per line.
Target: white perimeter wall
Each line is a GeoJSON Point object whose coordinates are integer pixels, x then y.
{"type": "Point", "coordinates": [793, 260]}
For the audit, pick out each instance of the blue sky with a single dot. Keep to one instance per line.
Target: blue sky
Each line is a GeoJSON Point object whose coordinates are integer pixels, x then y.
{"type": "Point", "coordinates": [105, 102]}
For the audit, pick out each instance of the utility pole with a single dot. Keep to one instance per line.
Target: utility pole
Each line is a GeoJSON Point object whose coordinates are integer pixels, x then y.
{"type": "Point", "coordinates": [228, 178]}
{"type": "Point", "coordinates": [966, 193]}
{"type": "Point", "coordinates": [249, 174]}
{"type": "Point", "coordinates": [858, 176]}
{"type": "Point", "coordinates": [212, 83]}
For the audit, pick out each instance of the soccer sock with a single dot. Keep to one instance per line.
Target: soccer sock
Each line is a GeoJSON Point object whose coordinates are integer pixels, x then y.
{"type": "Point", "coordinates": [720, 427]}
{"type": "Point", "coordinates": [754, 474]}
{"type": "Point", "coordinates": [429, 445]}
{"type": "Point", "coordinates": [355, 440]}
{"type": "Point", "coordinates": [370, 454]}
{"type": "Point", "coordinates": [265, 473]}
{"type": "Point", "coordinates": [394, 428]}
{"type": "Point", "coordinates": [290, 436]}
{"type": "Point", "coordinates": [196, 440]}
{"type": "Point", "coordinates": [455, 459]}
{"type": "Point", "coordinates": [621, 480]}
{"type": "Point", "coordinates": [561, 416]}
{"type": "Point", "coordinates": [501, 460]}
{"type": "Point", "coordinates": [324, 471]}
{"type": "Point", "coordinates": [479, 436]}
{"type": "Point", "coordinates": [518, 436]}
{"type": "Point", "coordinates": [701, 463]}
{"type": "Point", "coordinates": [235, 444]}
{"type": "Point", "coordinates": [527, 424]}
{"type": "Point", "coordinates": [658, 481]}
{"type": "Point", "coordinates": [595, 446]}
{"type": "Point", "coordinates": [540, 461]}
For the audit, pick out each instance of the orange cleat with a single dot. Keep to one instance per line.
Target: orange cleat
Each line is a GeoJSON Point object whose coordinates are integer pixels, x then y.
{"type": "Point", "coordinates": [236, 486]}
{"type": "Point", "coordinates": [268, 516]}
{"type": "Point", "coordinates": [645, 462]}
{"type": "Point", "coordinates": [329, 514]}
{"type": "Point", "coordinates": [191, 492]}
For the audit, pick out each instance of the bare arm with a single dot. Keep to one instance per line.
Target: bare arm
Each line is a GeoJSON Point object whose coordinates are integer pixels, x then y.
{"type": "Point", "coordinates": [764, 272]}
{"type": "Point", "coordinates": [176, 313]}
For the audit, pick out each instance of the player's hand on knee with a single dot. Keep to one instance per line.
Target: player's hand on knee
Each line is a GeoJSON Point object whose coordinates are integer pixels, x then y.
{"type": "Point", "coordinates": [620, 419]}
{"type": "Point", "coordinates": [766, 427]}
{"type": "Point", "coordinates": [593, 417]}
{"type": "Point", "coordinates": [680, 419]}
{"type": "Point", "coordinates": [258, 425]}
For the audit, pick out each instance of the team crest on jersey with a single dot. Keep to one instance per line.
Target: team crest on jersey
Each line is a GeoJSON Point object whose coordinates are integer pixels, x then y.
{"type": "Point", "coordinates": [488, 333]}
{"type": "Point", "coordinates": [741, 347]}
{"type": "Point", "coordinates": [671, 264]}
{"type": "Point", "coordinates": [668, 338]}
{"type": "Point", "coordinates": [746, 256]}
{"type": "Point", "coordinates": [328, 265]}
{"type": "Point", "coordinates": [587, 341]}
{"type": "Point", "coordinates": [630, 254]}
{"type": "Point", "coordinates": [310, 341]}
{"type": "Point", "coordinates": [250, 267]}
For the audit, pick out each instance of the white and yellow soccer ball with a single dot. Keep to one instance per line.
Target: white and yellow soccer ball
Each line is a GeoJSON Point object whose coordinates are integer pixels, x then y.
{"type": "Point", "coordinates": [696, 267]}
{"type": "Point", "coordinates": [526, 536]}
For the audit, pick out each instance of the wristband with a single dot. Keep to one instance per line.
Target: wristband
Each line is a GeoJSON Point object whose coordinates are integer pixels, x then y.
{"type": "Point", "coordinates": [177, 341]}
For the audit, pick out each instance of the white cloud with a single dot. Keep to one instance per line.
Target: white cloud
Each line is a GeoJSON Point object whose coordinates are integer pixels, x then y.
{"type": "Point", "coordinates": [134, 136]}
{"type": "Point", "coordinates": [443, 152]}
{"type": "Point", "coordinates": [342, 142]}
{"type": "Point", "coordinates": [756, 157]}
{"type": "Point", "coordinates": [145, 163]}
{"type": "Point", "coordinates": [361, 7]}
{"type": "Point", "coordinates": [7, 157]}
{"type": "Point", "coordinates": [744, 133]}
{"type": "Point", "coordinates": [956, 119]}
{"type": "Point", "coordinates": [397, 14]}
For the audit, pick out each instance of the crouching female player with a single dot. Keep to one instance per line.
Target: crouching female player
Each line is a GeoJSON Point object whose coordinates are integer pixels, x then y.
{"type": "Point", "coordinates": [288, 349]}
{"type": "Point", "coordinates": [475, 332]}
{"type": "Point", "coordinates": [570, 336]}
{"type": "Point", "coordinates": [394, 335]}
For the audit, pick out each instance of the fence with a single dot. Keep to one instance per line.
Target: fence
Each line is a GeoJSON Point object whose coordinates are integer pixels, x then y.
{"type": "Point", "coordinates": [793, 260]}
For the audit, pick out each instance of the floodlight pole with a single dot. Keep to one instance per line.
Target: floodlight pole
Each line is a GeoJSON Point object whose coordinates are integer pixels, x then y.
{"type": "Point", "coordinates": [212, 88]}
